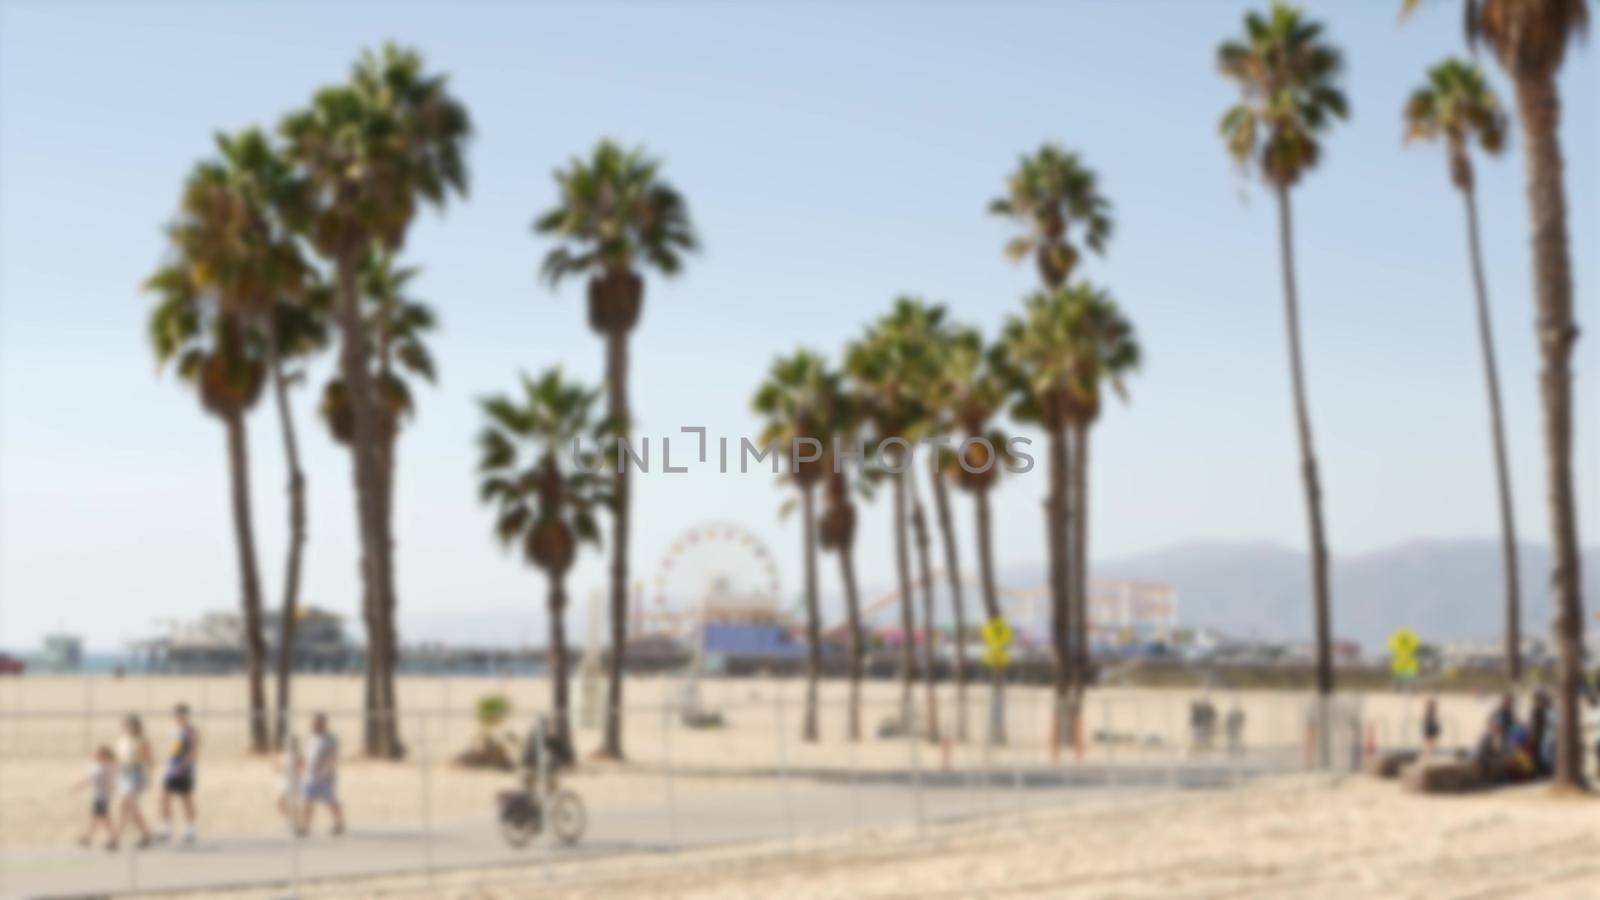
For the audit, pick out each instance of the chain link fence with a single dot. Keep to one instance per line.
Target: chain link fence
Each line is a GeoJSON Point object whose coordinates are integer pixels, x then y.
{"type": "Point", "coordinates": [721, 764]}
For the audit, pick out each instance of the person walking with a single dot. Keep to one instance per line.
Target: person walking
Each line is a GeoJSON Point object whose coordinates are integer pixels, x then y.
{"type": "Point", "coordinates": [133, 776]}
{"type": "Point", "coordinates": [101, 781]}
{"type": "Point", "coordinates": [179, 780]}
{"type": "Point", "coordinates": [1430, 728]}
{"type": "Point", "coordinates": [322, 776]}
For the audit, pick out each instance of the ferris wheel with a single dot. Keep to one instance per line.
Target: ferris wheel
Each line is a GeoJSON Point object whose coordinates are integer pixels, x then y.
{"type": "Point", "coordinates": [715, 568]}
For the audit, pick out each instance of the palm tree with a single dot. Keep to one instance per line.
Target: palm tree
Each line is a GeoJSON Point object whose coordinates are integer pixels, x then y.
{"type": "Point", "coordinates": [1105, 351]}
{"type": "Point", "coordinates": [1530, 39]}
{"type": "Point", "coordinates": [615, 215]}
{"type": "Point", "coordinates": [974, 395]}
{"type": "Point", "coordinates": [372, 150]}
{"type": "Point", "coordinates": [1052, 195]}
{"type": "Point", "coordinates": [796, 401]}
{"type": "Point", "coordinates": [541, 506]}
{"type": "Point", "coordinates": [397, 326]}
{"type": "Point", "coordinates": [233, 234]}
{"type": "Point", "coordinates": [223, 360]}
{"type": "Point", "coordinates": [836, 530]}
{"type": "Point", "coordinates": [298, 332]}
{"type": "Point", "coordinates": [1037, 361]}
{"type": "Point", "coordinates": [889, 365]}
{"type": "Point", "coordinates": [239, 213]}
{"type": "Point", "coordinates": [1287, 76]}
{"type": "Point", "coordinates": [1457, 105]}
{"type": "Point", "coordinates": [940, 424]}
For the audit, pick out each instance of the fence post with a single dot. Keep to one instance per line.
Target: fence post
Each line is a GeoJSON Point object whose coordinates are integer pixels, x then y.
{"type": "Point", "coordinates": [666, 750]}
{"type": "Point", "coordinates": [1016, 736]}
{"type": "Point", "coordinates": [425, 761]}
{"type": "Point", "coordinates": [916, 769]}
{"type": "Point", "coordinates": [88, 713]}
{"type": "Point", "coordinates": [855, 794]}
{"type": "Point", "coordinates": [783, 765]}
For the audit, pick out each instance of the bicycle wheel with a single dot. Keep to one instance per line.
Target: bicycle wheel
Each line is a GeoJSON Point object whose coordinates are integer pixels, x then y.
{"type": "Point", "coordinates": [567, 816]}
{"type": "Point", "coordinates": [519, 823]}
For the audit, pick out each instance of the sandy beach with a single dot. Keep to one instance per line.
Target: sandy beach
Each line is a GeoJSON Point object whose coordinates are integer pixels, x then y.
{"type": "Point", "coordinates": [1305, 836]}
{"type": "Point", "coordinates": [1293, 834]}
{"type": "Point", "coordinates": [52, 723]}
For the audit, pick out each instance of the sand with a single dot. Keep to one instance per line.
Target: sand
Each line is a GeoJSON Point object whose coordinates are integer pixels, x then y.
{"type": "Point", "coordinates": [1306, 836]}
{"type": "Point", "coordinates": [1298, 836]}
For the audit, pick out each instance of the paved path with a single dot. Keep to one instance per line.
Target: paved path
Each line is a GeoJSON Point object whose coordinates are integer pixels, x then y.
{"type": "Point", "coordinates": [808, 803]}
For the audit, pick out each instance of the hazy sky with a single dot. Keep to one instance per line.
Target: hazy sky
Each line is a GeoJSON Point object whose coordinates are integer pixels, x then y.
{"type": "Point", "coordinates": [833, 156]}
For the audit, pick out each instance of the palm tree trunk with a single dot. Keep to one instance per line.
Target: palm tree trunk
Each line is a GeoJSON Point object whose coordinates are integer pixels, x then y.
{"type": "Point", "coordinates": [255, 650]}
{"type": "Point", "coordinates": [1060, 608]}
{"type": "Point", "coordinates": [297, 540]}
{"type": "Point", "coordinates": [1539, 108]}
{"type": "Point", "coordinates": [391, 633]}
{"type": "Point", "coordinates": [364, 453]}
{"type": "Point", "coordinates": [1080, 557]}
{"type": "Point", "coordinates": [559, 670]}
{"type": "Point", "coordinates": [1497, 433]}
{"type": "Point", "coordinates": [1320, 597]}
{"type": "Point", "coordinates": [617, 402]}
{"type": "Point", "coordinates": [852, 611]}
{"type": "Point", "coordinates": [991, 609]}
{"type": "Point", "coordinates": [952, 565]}
{"type": "Point", "coordinates": [908, 624]}
{"type": "Point", "coordinates": [808, 731]}
{"type": "Point", "coordinates": [919, 527]}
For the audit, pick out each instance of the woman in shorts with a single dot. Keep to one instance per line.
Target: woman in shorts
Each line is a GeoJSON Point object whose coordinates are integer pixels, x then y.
{"type": "Point", "coordinates": [133, 776]}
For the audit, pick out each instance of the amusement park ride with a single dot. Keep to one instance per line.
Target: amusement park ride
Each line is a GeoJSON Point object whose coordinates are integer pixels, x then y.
{"type": "Point", "coordinates": [720, 577]}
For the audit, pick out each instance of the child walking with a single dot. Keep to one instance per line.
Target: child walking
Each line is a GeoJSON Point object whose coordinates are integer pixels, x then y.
{"type": "Point", "coordinates": [100, 781]}
{"type": "Point", "coordinates": [292, 767]}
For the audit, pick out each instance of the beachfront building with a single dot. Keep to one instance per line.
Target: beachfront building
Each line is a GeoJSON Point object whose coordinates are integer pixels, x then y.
{"type": "Point", "coordinates": [62, 653]}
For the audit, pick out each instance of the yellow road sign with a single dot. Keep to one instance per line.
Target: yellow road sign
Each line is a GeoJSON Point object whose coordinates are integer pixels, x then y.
{"type": "Point", "coordinates": [997, 633]}
{"type": "Point", "coordinates": [1403, 647]}
{"type": "Point", "coordinates": [1404, 642]}
{"type": "Point", "coordinates": [996, 658]}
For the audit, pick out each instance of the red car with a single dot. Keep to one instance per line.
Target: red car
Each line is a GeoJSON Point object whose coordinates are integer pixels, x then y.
{"type": "Point", "coordinates": [10, 665]}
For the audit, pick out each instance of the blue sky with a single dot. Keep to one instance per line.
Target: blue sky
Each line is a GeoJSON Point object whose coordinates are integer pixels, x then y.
{"type": "Point", "coordinates": [833, 157]}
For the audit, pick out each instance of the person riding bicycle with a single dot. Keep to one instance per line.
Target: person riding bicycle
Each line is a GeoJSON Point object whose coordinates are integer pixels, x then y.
{"type": "Point", "coordinates": [542, 739]}
{"type": "Point", "coordinates": [523, 812]}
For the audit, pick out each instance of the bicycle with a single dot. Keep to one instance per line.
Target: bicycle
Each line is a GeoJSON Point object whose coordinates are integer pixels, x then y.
{"type": "Point", "coordinates": [522, 816]}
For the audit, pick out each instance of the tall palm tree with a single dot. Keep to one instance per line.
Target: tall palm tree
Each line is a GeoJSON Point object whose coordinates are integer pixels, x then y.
{"type": "Point", "coordinates": [298, 332]}
{"type": "Point", "coordinates": [233, 237]}
{"type": "Point", "coordinates": [372, 150]}
{"type": "Point", "coordinates": [239, 215]}
{"type": "Point", "coordinates": [975, 394]}
{"type": "Point", "coordinates": [1053, 196]}
{"type": "Point", "coordinates": [796, 401]}
{"type": "Point", "coordinates": [888, 365]}
{"type": "Point", "coordinates": [1287, 76]}
{"type": "Point", "coordinates": [1106, 351]}
{"type": "Point", "coordinates": [941, 424]}
{"type": "Point", "coordinates": [1530, 40]}
{"type": "Point", "coordinates": [396, 327]}
{"type": "Point", "coordinates": [547, 509]}
{"type": "Point", "coordinates": [1036, 360]}
{"type": "Point", "coordinates": [836, 530]}
{"type": "Point", "coordinates": [615, 215]}
{"type": "Point", "coordinates": [1458, 106]}
{"type": "Point", "coordinates": [223, 360]}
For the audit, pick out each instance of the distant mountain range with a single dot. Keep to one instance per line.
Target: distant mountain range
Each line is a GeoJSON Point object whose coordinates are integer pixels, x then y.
{"type": "Point", "coordinates": [1444, 589]}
